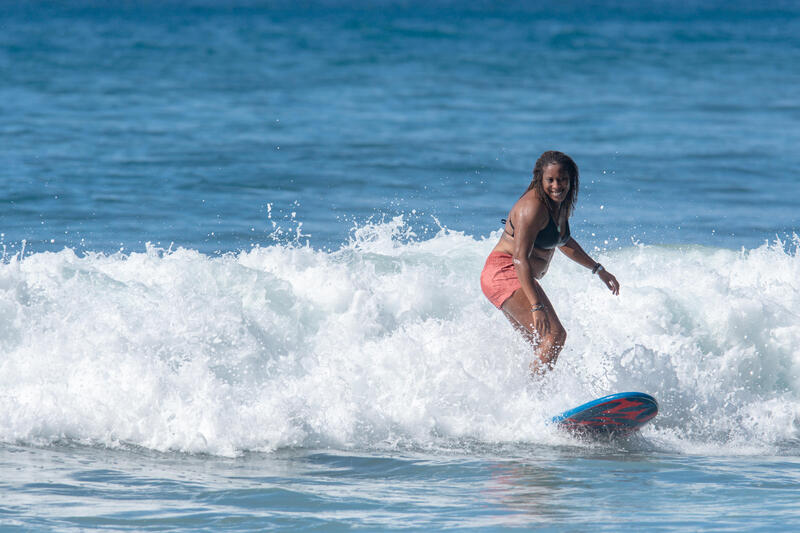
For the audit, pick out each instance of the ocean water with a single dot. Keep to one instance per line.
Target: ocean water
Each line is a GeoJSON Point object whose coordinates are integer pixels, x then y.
{"type": "Point", "coordinates": [240, 245]}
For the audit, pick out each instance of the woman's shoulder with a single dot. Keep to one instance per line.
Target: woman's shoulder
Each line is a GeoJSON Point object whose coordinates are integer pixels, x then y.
{"type": "Point", "coordinates": [530, 206]}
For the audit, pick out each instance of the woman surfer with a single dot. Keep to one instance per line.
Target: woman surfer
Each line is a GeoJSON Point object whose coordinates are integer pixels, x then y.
{"type": "Point", "coordinates": [537, 225]}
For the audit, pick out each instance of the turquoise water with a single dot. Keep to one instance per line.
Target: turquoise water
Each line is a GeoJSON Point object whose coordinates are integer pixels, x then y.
{"type": "Point", "coordinates": [241, 245]}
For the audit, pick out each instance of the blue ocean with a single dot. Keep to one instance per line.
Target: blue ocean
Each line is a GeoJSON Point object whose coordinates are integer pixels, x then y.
{"type": "Point", "coordinates": [241, 242]}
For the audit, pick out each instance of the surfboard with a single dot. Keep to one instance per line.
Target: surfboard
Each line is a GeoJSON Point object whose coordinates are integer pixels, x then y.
{"type": "Point", "coordinates": [621, 413]}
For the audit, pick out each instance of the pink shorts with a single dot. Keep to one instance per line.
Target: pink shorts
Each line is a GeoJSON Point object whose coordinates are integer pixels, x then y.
{"type": "Point", "coordinates": [499, 278]}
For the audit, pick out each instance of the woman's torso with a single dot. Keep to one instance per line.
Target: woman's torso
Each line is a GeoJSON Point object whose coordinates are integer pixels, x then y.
{"type": "Point", "coordinates": [549, 235]}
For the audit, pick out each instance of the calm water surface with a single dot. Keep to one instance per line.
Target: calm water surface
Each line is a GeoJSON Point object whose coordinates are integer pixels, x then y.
{"type": "Point", "coordinates": [496, 488]}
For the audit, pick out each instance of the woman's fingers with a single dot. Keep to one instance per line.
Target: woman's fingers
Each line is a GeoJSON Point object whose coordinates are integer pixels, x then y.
{"type": "Point", "coordinates": [541, 322]}
{"type": "Point", "coordinates": [611, 282]}
{"type": "Point", "coordinates": [614, 285]}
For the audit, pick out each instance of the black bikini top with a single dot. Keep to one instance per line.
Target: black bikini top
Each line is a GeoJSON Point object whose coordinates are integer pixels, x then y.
{"type": "Point", "coordinates": [549, 237]}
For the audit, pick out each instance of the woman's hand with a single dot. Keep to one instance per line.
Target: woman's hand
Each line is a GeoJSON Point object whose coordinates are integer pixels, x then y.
{"type": "Point", "coordinates": [610, 281]}
{"type": "Point", "coordinates": [540, 322]}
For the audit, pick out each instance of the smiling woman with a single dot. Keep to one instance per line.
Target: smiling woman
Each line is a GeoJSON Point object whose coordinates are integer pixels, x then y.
{"type": "Point", "coordinates": [538, 224]}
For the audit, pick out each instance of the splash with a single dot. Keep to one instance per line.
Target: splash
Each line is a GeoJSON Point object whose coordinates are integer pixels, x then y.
{"type": "Point", "coordinates": [388, 341]}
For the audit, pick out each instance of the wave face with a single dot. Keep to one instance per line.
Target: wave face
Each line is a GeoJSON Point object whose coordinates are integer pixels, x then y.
{"type": "Point", "coordinates": [388, 341]}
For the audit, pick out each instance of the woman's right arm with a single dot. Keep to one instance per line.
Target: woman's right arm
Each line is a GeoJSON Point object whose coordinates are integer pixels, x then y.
{"type": "Point", "coordinates": [530, 220]}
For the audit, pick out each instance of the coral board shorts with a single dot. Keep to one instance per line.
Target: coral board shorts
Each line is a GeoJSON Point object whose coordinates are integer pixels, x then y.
{"type": "Point", "coordinates": [499, 278]}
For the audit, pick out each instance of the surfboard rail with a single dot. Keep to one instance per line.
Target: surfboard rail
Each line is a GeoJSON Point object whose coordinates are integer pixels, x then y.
{"type": "Point", "coordinates": [620, 413]}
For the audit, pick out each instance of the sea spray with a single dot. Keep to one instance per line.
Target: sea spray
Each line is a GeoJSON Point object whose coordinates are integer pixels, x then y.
{"type": "Point", "coordinates": [388, 341]}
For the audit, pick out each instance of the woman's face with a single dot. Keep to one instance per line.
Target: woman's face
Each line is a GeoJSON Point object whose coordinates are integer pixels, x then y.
{"type": "Point", "coordinates": [555, 183]}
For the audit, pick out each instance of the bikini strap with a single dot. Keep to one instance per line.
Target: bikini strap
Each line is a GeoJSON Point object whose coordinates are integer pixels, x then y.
{"type": "Point", "coordinates": [511, 233]}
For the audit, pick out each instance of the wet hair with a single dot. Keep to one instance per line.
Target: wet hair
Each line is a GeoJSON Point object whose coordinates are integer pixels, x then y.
{"type": "Point", "coordinates": [568, 166]}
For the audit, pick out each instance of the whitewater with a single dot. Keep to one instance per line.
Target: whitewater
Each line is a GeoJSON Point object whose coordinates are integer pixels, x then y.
{"type": "Point", "coordinates": [388, 344]}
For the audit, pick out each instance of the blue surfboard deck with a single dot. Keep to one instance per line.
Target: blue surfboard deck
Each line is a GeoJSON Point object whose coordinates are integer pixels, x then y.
{"type": "Point", "coordinates": [621, 413]}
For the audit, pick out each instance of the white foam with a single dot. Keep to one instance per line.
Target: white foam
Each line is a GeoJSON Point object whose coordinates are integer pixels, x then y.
{"type": "Point", "coordinates": [385, 341]}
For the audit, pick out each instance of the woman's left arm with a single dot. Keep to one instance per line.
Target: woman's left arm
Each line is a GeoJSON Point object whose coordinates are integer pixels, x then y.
{"type": "Point", "coordinates": [574, 251]}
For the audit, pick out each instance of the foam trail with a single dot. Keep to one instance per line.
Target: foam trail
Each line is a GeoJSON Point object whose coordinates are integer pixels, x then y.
{"type": "Point", "coordinates": [387, 341]}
